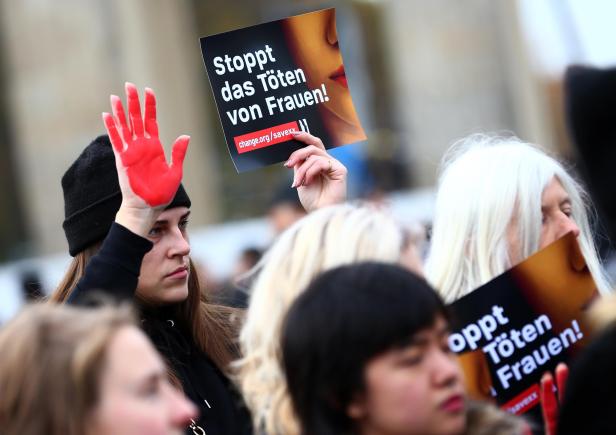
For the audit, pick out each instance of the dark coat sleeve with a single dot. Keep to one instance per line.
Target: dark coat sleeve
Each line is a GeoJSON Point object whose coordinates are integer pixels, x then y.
{"type": "Point", "coordinates": [114, 270]}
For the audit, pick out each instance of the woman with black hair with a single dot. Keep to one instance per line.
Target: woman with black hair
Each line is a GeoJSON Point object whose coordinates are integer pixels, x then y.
{"type": "Point", "coordinates": [365, 351]}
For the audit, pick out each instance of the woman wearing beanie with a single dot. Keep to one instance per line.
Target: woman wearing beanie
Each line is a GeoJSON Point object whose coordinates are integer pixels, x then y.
{"type": "Point", "coordinates": [126, 219]}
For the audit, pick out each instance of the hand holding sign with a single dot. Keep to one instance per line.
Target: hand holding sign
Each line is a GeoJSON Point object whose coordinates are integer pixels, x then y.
{"type": "Point", "coordinates": [319, 178]}
{"type": "Point", "coordinates": [277, 77]}
{"type": "Point", "coordinates": [147, 182]}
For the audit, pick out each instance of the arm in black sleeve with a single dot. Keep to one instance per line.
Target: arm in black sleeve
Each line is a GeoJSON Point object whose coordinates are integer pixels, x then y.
{"type": "Point", "coordinates": [114, 270]}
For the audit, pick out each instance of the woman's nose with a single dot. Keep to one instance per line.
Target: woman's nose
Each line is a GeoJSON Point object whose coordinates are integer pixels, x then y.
{"type": "Point", "coordinates": [446, 369]}
{"type": "Point", "coordinates": [568, 225]}
{"type": "Point", "coordinates": [331, 33]}
{"type": "Point", "coordinates": [180, 245]}
{"type": "Point", "coordinates": [183, 411]}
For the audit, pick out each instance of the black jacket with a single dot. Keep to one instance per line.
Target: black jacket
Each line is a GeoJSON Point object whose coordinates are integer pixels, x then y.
{"type": "Point", "coordinates": [114, 270]}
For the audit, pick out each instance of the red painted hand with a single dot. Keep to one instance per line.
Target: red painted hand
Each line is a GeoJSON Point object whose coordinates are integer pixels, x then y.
{"type": "Point", "coordinates": [549, 403]}
{"type": "Point", "coordinates": [140, 150]}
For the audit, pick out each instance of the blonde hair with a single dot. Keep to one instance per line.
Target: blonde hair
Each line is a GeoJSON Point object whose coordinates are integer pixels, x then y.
{"type": "Point", "coordinates": [52, 360]}
{"type": "Point", "coordinates": [327, 238]}
{"type": "Point", "coordinates": [487, 182]}
{"type": "Point", "coordinates": [602, 313]}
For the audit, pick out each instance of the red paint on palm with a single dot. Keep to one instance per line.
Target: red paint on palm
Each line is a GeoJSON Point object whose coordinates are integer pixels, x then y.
{"type": "Point", "coordinates": [149, 174]}
{"type": "Point", "coordinates": [140, 150]}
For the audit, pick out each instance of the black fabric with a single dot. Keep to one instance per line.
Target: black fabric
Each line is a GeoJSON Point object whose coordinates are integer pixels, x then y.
{"type": "Point", "coordinates": [115, 270]}
{"type": "Point", "coordinates": [589, 405]}
{"type": "Point", "coordinates": [92, 195]}
{"type": "Point", "coordinates": [221, 408]}
{"type": "Point", "coordinates": [590, 104]}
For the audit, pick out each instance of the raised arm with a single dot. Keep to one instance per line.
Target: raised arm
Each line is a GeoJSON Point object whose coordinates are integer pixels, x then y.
{"type": "Point", "coordinates": [147, 183]}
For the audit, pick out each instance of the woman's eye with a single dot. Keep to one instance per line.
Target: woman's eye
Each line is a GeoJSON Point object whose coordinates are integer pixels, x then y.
{"type": "Point", "coordinates": [183, 224]}
{"type": "Point", "coordinates": [445, 347]}
{"type": "Point", "coordinates": [151, 390]}
{"type": "Point", "coordinates": [411, 360]}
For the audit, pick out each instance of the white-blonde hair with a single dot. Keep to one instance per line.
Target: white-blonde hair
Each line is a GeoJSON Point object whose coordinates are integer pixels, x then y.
{"type": "Point", "coordinates": [326, 238]}
{"type": "Point", "coordinates": [487, 182]}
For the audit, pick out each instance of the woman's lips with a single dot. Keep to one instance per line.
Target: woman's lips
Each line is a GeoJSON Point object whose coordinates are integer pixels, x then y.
{"type": "Point", "coordinates": [453, 404]}
{"type": "Point", "coordinates": [339, 76]}
{"type": "Point", "coordinates": [179, 273]}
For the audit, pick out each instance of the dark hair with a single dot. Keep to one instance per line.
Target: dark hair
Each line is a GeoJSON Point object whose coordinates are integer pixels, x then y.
{"type": "Point", "coordinates": [346, 317]}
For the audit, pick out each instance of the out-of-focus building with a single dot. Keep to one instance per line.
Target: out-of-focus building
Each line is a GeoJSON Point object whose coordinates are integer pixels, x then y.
{"type": "Point", "coordinates": [61, 61]}
{"type": "Point", "coordinates": [422, 73]}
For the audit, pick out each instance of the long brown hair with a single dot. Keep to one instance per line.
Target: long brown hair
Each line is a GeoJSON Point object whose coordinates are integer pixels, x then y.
{"type": "Point", "coordinates": [52, 361]}
{"type": "Point", "coordinates": [212, 326]}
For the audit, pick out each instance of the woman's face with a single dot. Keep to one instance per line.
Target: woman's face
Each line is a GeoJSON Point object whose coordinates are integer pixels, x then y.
{"type": "Point", "coordinates": [314, 41]}
{"type": "Point", "coordinates": [413, 390]}
{"type": "Point", "coordinates": [556, 211]}
{"type": "Point", "coordinates": [556, 220]}
{"type": "Point", "coordinates": [163, 278]}
{"type": "Point", "coordinates": [136, 397]}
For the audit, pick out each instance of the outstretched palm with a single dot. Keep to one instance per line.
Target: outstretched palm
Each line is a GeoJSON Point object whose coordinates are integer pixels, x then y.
{"type": "Point", "coordinates": [141, 154]}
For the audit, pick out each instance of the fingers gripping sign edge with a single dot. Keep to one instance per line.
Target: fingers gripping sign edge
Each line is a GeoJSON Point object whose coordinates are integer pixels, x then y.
{"type": "Point", "coordinates": [302, 154]}
{"type": "Point", "coordinates": [319, 167]}
{"type": "Point", "coordinates": [309, 139]}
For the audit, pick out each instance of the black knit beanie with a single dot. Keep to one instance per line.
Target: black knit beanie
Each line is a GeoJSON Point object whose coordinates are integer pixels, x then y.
{"type": "Point", "coordinates": [92, 196]}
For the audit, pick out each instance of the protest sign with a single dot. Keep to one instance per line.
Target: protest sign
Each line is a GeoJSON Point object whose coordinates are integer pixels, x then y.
{"type": "Point", "coordinates": [275, 78]}
{"type": "Point", "coordinates": [510, 331]}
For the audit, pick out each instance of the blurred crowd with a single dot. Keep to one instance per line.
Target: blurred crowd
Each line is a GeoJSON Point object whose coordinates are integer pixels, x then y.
{"type": "Point", "coordinates": [339, 326]}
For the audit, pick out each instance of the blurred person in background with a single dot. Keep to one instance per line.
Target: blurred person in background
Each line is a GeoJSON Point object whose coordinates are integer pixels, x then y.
{"type": "Point", "coordinates": [76, 371]}
{"type": "Point", "coordinates": [326, 238]}
{"type": "Point", "coordinates": [588, 403]}
{"type": "Point", "coordinates": [31, 287]}
{"type": "Point", "coordinates": [284, 210]}
{"type": "Point", "coordinates": [590, 99]}
{"type": "Point", "coordinates": [232, 293]}
{"type": "Point", "coordinates": [126, 225]}
{"type": "Point", "coordinates": [365, 352]}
